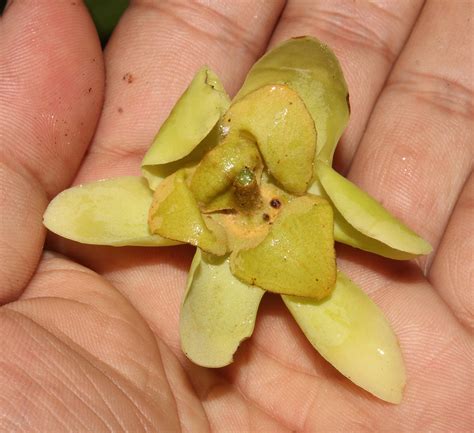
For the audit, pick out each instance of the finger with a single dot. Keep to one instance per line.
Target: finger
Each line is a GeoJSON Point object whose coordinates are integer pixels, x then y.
{"type": "Point", "coordinates": [51, 87]}
{"type": "Point", "coordinates": [366, 37]}
{"type": "Point", "coordinates": [451, 272]}
{"type": "Point", "coordinates": [417, 151]}
{"type": "Point", "coordinates": [152, 56]}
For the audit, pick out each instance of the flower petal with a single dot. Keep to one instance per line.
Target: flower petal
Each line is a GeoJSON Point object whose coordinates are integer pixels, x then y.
{"type": "Point", "coordinates": [312, 70]}
{"type": "Point", "coordinates": [278, 120]}
{"type": "Point", "coordinates": [368, 216]}
{"type": "Point", "coordinates": [352, 334]}
{"type": "Point", "coordinates": [297, 256]}
{"type": "Point", "coordinates": [346, 234]}
{"type": "Point", "coordinates": [217, 170]}
{"type": "Point", "coordinates": [95, 213]}
{"type": "Point", "coordinates": [175, 215]}
{"type": "Point", "coordinates": [189, 123]}
{"type": "Point", "coordinates": [218, 312]}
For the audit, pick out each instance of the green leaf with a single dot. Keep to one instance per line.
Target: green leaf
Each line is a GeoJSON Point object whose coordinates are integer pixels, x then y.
{"type": "Point", "coordinates": [352, 334]}
{"type": "Point", "coordinates": [368, 216]}
{"type": "Point", "coordinates": [297, 256]}
{"type": "Point", "coordinates": [312, 70]}
{"type": "Point", "coordinates": [106, 14]}
{"type": "Point", "coordinates": [218, 312]}
{"type": "Point", "coordinates": [109, 212]}
{"type": "Point", "coordinates": [191, 120]}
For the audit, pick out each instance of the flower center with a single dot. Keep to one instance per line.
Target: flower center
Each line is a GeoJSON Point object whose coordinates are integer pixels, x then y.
{"type": "Point", "coordinates": [247, 191]}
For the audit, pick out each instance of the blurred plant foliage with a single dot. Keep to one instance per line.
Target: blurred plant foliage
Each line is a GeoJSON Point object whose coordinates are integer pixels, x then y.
{"type": "Point", "coordinates": [106, 14]}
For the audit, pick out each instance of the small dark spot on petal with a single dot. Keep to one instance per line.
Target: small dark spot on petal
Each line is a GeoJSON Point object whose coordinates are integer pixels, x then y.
{"type": "Point", "coordinates": [120, 110]}
{"type": "Point", "coordinates": [275, 203]}
{"type": "Point", "coordinates": [348, 103]}
{"type": "Point", "coordinates": [90, 89]}
{"type": "Point", "coordinates": [266, 217]}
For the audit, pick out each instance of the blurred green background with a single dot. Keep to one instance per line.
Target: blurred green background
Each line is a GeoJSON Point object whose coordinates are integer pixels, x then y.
{"type": "Point", "coordinates": [105, 14]}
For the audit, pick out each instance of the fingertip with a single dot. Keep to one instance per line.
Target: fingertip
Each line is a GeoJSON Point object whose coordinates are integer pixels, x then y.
{"type": "Point", "coordinates": [51, 93]}
{"type": "Point", "coordinates": [53, 82]}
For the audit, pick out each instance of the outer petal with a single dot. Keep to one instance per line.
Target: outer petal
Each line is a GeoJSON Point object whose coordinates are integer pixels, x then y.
{"type": "Point", "coordinates": [351, 333]}
{"type": "Point", "coordinates": [368, 216]}
{"type": "Point", "coordinates": [312, 70]}
{"type": "Point", "coordinates": [218, 312]}
{"type": "Point", "coordinates": [189, 123]}
{"type": "Point", "coordinates": [346, 234]}
{"type": "Point", "coordinates": [95, 213]}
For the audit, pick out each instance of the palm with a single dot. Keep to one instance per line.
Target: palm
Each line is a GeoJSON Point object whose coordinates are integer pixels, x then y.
{"type": "Point", "coordinates": [92, 351]}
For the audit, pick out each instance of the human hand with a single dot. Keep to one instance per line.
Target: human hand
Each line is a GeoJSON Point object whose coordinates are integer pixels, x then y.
{"type": "Point", "coordinates": [90, 339]}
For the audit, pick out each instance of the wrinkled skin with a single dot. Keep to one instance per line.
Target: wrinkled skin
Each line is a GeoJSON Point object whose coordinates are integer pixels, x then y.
{"type": "Point", "coordinates": [90, 334]}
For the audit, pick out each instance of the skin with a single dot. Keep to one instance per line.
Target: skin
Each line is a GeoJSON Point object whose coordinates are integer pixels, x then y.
{"type": "Point", "coordinates": [90, 334]}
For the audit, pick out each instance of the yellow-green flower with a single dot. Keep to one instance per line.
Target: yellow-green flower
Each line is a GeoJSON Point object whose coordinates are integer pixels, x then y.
{"type": "Point", "coordinates": [250, 184]}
